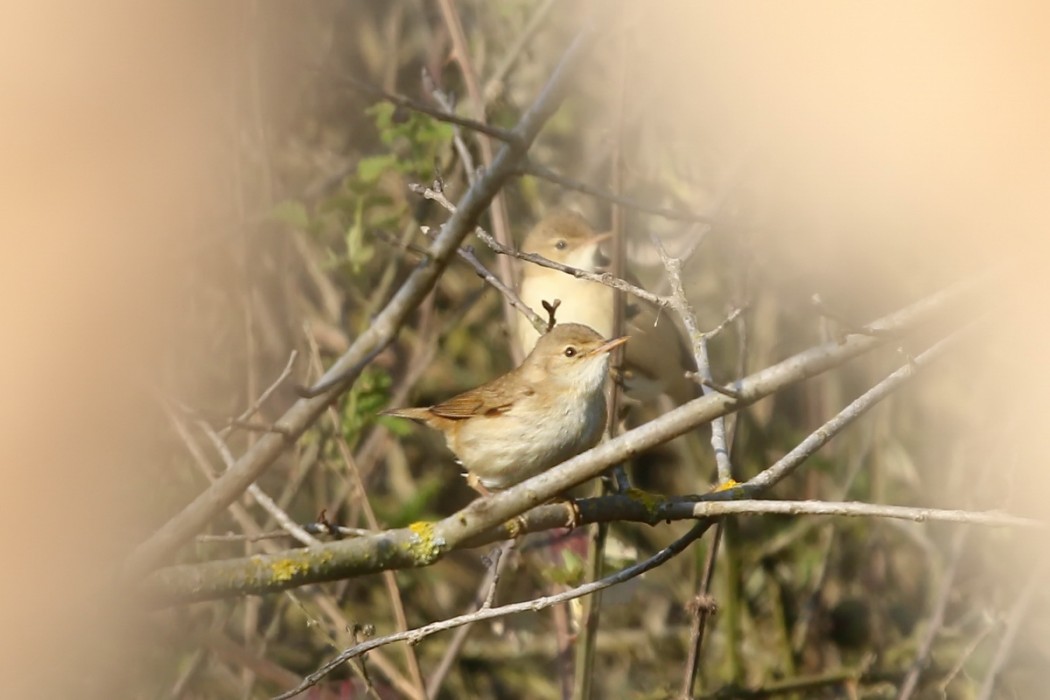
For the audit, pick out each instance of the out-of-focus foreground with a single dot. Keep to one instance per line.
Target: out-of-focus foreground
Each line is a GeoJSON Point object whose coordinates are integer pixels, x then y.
{"type": "Point", "coordinates": [193, 194]}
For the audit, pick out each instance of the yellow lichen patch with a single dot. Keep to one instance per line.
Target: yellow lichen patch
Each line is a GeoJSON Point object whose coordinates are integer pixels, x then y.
{"type": "Point", "coordinates": [725, 485]}
{"type": "Point", "coordinates": [425, 547]}
{"type": "Point", "coordinates": [651, 501]}
{"type": "Point", "coordinates": [646, 498]}
{"type": "Point", "coordinates": [285, 569]}
{"type": "Point", "coordinates": [515, 527]}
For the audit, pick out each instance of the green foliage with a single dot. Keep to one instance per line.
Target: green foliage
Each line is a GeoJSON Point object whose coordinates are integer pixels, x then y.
{"type": "Point", "coordinates": [291, 213]}
{"type": "Point", "coordinates": [570, 572]}
{"type": "Point", "coordinates": [414, 142]}
{"type": "Point", "coordinates": [358, 252]}
{"type": "Point", "coordinates": [367, 397]}
{"type": "Point", "coordinates": [418, 507]}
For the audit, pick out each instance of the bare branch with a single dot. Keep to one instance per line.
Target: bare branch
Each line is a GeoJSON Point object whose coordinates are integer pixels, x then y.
{"type": "Point", "coordinates": [486, 594]}
{"type": "Point", "coordinates": [1018, 616]}
{"type": "Point", "coordinates": [498, 207]}
{"type": "Point", "coordinates": [698, 340]}
{"type": "Point", "coordinates": [911, 680]}
{"type": "Point", "coordinates": [467, 254]}
{"type": "Point", "coordinates": [542, 171]}
{"type": "Point", "coordinates": [509, 137]}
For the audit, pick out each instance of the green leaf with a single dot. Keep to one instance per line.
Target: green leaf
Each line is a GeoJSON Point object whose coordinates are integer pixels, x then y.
{"type": "Point", "coordinates": [570, 573]}
{"type": "Point", "coordinates": [371, 168]}
{"type": "Point", "coordinates": [292, 213]}
{"type": "Point", "coordinates": [357, 251]}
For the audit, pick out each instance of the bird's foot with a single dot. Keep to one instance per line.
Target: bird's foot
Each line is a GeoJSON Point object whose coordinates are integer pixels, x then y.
{"type": "Point", "coordinates": [474, 482]}
{"type": "Point", "coordinates": [575, 517]}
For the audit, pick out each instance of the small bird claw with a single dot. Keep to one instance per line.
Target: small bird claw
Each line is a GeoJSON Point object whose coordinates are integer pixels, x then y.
{"type": "Point", "coordinates": [575, 517]}
{"type": "Point", "coordinates": [474, 482]}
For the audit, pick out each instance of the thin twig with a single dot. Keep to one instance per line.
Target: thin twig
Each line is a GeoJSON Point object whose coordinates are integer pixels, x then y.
{"type": "Point", "coordinates": [311, 528]}
{"type": "Point", "coordinates": [719, 445]}
{"type": "Point", "coordinates": [483, 600]}
{"type": "Point", "coordinates": [443, 99]}
{"type": "Point", "coordinates": [423, 108]}
{"type": "Point", "coordinates": [911, 680]}
{"type": "Point", "coordinates": [542, 171]}
{"type": "Point", "coordinates": [698, 340]}
{"type": "Point", "coordinates": [254, 407]}
{"type": "Point", "coordinates": [420, 633]}
{"type": "Point", "coordinates": [967, 652]}
{"type": "Point", "coordinates": [1014, 623]}
{"type": "Point", "coordinates": [583, 669]}
{"type": "Point", "coordinates": [467, 254]}
{"type": "Point", "coordinates": [494, 85]}
{"type": "Point", "coordinates": [605, 278]}
{"type": "Point", "coordinates": [702, 606]}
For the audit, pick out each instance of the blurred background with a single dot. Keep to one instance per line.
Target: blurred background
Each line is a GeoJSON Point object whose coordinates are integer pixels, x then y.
{"type": "Point", "coordinates": [194, 192]}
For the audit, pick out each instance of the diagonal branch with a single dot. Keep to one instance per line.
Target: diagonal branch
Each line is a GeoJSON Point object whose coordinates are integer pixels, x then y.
{"type": "Point", "coordinates": [414, 636]}
{"type": "Point", "coordinates": [605, 278]}
{"type": "Point", "coordinates": [195, 516]}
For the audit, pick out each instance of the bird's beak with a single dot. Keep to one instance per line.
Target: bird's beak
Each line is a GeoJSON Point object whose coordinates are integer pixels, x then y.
{"type": "Point", "coordinates": [610, 345]}
{"type": "Point", "coordinates": [599, 237]}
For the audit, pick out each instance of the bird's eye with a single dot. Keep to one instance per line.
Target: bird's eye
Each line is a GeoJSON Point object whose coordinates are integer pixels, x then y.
{"type": "Point", "coordinates": [570, 351]}
{"type": "Point", "coordinates": [560, 245]}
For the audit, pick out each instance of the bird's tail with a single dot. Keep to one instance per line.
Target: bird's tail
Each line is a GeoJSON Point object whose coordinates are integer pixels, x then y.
{"type": "Point", "coordinates": [420, 414]}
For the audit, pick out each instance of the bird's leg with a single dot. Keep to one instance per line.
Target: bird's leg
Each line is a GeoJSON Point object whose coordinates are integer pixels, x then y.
{"type": "Point", "coordinates": [474, 482]}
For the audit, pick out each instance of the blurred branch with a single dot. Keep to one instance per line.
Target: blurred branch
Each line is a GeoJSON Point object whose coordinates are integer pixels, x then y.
{"type": "Point", "coordinates": [509, 137]}
{"type": "Point", "coordinates": [458, 143]}
{"type": "Point", "coordinates": [466, 253]}
{"type": "Point", "coordinates": [498, 208]}
{"type": "Point", "coordinates": [1018, 617]}
{"type": "Point", "coordinates": [494, 85]}
{"type": "Point", "coordinates": [195, 516]}
{"type": "Point", "coordinates": [389, 580]}
{"type": "Point", "coordinates": [545, 173]}
{"type": "Point", "coordinates": [911, 680]}
{"type": "Point", "coordinates": [483, 600]}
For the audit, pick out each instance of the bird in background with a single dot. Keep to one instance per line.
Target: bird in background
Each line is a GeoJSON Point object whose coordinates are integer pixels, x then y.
{"type": "Point", "coordinates": [656, 359]}
{"type": "Point", "coordinates": [541, 413]}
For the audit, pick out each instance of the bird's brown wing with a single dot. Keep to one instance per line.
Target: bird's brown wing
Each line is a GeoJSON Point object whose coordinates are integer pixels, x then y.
{"type": "Point", "coordinates": [489, 399]}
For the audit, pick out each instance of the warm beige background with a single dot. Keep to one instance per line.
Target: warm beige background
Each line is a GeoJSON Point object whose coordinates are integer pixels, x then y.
{"type": "Point", "coordinates": [911, 135]}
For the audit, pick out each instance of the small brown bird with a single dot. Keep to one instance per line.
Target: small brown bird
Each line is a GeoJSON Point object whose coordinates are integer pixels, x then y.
{"type": "Point", "coordinates": [657, 358]}
{"type": "Point", "coordinates": [548, 409]}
